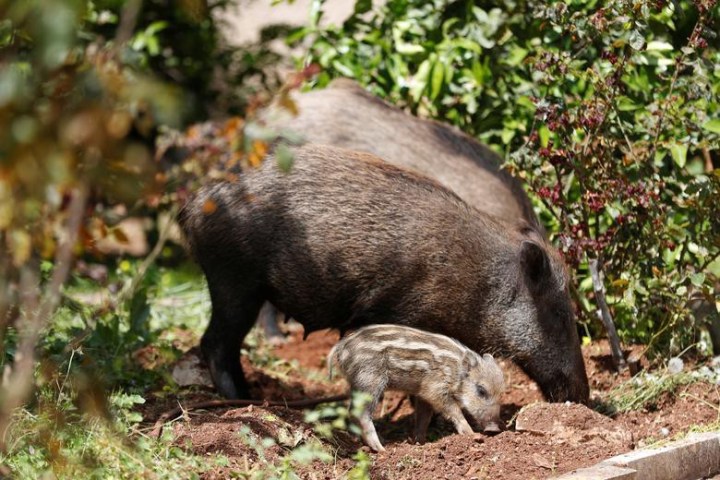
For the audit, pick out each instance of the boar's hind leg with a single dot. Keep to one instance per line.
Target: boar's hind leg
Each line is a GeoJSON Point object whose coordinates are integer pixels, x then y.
{"type": "Point", "coordinates": [369, 433]}
{"type": "Point", "coordinates": [234, 312]}
{"type": "Point", "coordinates": [374, 387]}
{"type": "Point", "coordinates": [423, 415]}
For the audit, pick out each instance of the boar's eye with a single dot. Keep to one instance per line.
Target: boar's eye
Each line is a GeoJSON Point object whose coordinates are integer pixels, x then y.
{"type": "Point", "coordinates": [482, 393]}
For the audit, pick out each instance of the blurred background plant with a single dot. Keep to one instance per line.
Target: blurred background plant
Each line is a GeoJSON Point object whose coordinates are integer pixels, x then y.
{"type": "Point", "coordinates": [85, 88]}
{"type": "Point", "coordinates": [608, 111]}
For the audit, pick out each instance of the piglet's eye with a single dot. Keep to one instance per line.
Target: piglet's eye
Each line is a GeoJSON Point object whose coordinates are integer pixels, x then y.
{"type": "Point", "coordinates": [482, 393]}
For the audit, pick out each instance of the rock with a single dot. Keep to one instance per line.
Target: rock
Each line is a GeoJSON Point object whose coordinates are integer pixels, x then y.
{"type": "Point", "coordinates": [189, 371]}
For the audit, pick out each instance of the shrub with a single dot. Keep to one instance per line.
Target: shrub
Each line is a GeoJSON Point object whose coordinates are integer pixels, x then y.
{"type": "Point", "coordinates": [608, 111]}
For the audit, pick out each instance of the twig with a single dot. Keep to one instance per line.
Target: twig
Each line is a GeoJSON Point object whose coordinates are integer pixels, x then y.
{"type": "Point", "coordinates": [19, 386]}
{"type": "Point", "coordinates": [128, 20]}
{"type": "Point", "coordinates": [307, 402]}
{"type": "Point", "coordinates": [617, 355]}
{"type": "Point", "coordinates": [130, 289]}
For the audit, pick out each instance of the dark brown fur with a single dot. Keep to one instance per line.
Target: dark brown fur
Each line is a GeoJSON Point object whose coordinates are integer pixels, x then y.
{"type": "Point", "coordinates": [344, 241]}
{"type": "Point", "coordinates": [345, 115]}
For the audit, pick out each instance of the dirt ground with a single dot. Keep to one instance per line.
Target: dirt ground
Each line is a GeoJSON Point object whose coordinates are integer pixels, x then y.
{"type": "Point", "coordinates": [541, 440]}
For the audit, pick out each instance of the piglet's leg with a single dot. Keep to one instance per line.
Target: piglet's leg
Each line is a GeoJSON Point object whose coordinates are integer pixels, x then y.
{"type": "Point", "coordinates": [423, 415]}
{"type": "Point", "coordinates": [453, 412]}
{"type": "Point", "coordinates": [368, 432]}
{"type": "Point", "coordinates": [374, 386]}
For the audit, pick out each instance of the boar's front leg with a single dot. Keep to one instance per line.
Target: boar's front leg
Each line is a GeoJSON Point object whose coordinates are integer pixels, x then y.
{"type": "Point", "coordinates": [234, 311]}
{"type": "Point", "coordinates": [452, 411]}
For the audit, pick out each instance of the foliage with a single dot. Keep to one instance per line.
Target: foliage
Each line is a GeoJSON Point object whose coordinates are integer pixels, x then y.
{"type": "Point", "coordinates": [609, 112]}
{"type": "Point", "coordinates": [60, 441]}
{"type": "Point", "coordinates": [81, 97]}
{"type": "Point", "coordinates": [92, 347]}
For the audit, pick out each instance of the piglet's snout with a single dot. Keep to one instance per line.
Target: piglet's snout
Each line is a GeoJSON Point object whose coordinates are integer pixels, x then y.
{"type": "Point", "coordinates": [491, 428]}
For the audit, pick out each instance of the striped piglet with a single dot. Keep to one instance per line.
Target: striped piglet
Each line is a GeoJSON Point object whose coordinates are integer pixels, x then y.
{"type": "Point", "coordinates": [443, 374]}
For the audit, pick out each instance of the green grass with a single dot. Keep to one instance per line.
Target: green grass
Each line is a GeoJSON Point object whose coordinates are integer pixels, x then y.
{"type": "Point", "coordinates": [75, 427]}
{"type": "Point", "coordinates": [644, 390]}
{"type": "Point", "coordinates": [58, 440]}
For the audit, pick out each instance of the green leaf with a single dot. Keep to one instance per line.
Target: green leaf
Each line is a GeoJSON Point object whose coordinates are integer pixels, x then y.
{"type": "Point", "coordinates": [625, 104]}
{"type": "Point", "coordinates": [544, 134]}
{"type": "Point", "coordinates": [316, 13]}
{"type": "Point", "coordinates": [659, 46]}
{"type": "Point", "coordinates": [420, 80]}
{"type": "Point", "coordinates": [636, 40]}
{"type": "Point", "coordinates": [436, 81]}
{"type": "Point", "coordinates": [697, 279]}
{"type": "Point", "coordinates": [712, 125]}
{"type": "Point", "coordinates": [679, 154]}
{"type": "Point", "coordinates": [284, 158]}
{"type": "Point", "coordinates": [507, 135]}
{"type": "Point", "coordinates": [343, 69]}
{"type": "Point", "coordinates": [362, 6]}
{"type": "Point", "coordinates": [516, 56]}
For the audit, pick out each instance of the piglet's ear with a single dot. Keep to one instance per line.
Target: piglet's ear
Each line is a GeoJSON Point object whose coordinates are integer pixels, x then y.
{"type": "Point", "coordinates": [469, 362]}
{"type": "Point", "coordinates": [535, 262]}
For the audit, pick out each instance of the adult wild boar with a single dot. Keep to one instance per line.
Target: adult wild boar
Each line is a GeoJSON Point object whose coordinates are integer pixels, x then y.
{"type": "Point", "coordinates": [347, 116]}
{"type": "Point", "coordinates": [345, 240]}
{"type": "Point", "coordinates": [344, 115]}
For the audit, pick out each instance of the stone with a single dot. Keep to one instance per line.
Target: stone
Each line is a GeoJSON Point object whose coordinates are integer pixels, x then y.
{"type": "Point", "coordinates": [698, 456]}
{"type": "Point", "coordinates": [604, 472]}
{"type": "Point", "coordinates": [189, 371]}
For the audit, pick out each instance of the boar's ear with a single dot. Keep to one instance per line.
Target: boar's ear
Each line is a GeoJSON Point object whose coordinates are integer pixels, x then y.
{"type": "Point", "coordinates": [535, 262]}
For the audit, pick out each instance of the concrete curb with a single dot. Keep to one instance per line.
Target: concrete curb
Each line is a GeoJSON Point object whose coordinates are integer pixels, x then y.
{"type": "Point", "coordinates": [696, 457]}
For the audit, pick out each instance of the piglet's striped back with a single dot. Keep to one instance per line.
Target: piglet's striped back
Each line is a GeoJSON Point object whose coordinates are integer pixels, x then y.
{"type": "Point", "coordinates": [410, 349]}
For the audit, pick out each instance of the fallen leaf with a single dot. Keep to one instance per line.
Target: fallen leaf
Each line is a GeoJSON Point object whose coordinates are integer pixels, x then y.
{"type": "Point", "coordinates": [120, 236]}
{"type": "Point", "coordinates": [209, 207]}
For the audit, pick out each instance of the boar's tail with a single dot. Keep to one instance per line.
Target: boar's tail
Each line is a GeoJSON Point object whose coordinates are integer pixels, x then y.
{"type": "Point", "coordinates": [331, 360]}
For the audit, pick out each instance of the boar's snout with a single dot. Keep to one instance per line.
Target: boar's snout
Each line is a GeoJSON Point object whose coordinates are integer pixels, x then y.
{"type": "Point", "coordinates": [570, 389]}
{"type": "Point", "coordinates": [562, 386]}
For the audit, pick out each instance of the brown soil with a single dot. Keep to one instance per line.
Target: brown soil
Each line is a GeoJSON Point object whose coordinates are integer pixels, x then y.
{"type": "Point", "coordinates": [542, 440]}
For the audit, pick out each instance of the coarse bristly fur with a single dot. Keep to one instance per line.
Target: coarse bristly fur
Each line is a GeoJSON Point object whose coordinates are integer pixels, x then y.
{"type": "Point", "coordinates": [345, 240]}
{"type": "Point", "coordinates": [345, 115]}
{"type": "Point", "coordinates": [443, 374]}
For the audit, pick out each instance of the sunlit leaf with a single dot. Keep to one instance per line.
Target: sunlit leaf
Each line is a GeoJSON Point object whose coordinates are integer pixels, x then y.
{"type": "Point", "coordinates": [679, 153]}
{"type": "Point", "coordinates": [21, 246]}
{"type": "Point", "coordinates": [436, 84]}
{"type": "Point", "coordinates": [712, 125]}
{"type": "Point", "coordinates": [209, 207]}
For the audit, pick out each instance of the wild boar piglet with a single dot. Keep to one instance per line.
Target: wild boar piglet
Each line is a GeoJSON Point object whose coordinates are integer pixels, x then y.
{"type": "Point", "coordinates": [444, 375]}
